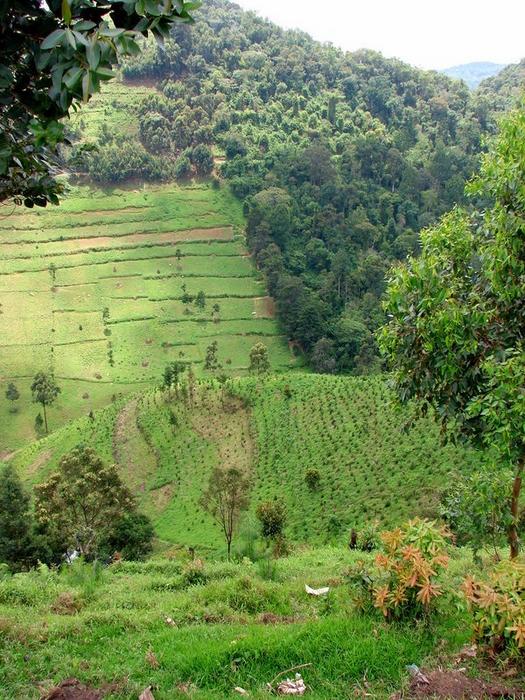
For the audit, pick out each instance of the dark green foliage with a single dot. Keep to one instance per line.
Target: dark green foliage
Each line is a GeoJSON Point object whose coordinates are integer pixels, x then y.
{"type": "Point", "coordinates": [44, 390]}
{"type": "Point", "coordinates": [455, 336]}
{"type": "Point", "coordinates": [211, 361]}
{"type": "Point", "coordinates": [81, 500]}
{"type": "Point", "coordinates": [259, 360]}
{"type": "Point", "coordinates": [131, 536]}
{"type": "Point", "coordinates": [16, 541]}
{"type": "Point", "coordinates": [12, 394]}
{"type": "Point", "coordinates": [202, 159]}
{"type": "Point", "coordinates": [341, 160]}
{"type": "Point", "coordinates": [312, 479]}
{"type": "Point", "coordinates": [53, 56]}
{"type": "Point", "coordinates": [272, 516]}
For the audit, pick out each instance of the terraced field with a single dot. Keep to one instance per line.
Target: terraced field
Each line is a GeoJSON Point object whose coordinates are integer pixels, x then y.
{"type": "Point", "coordinates": [95, 289]}
{"type": "Point", "coordinates": [371, 466]}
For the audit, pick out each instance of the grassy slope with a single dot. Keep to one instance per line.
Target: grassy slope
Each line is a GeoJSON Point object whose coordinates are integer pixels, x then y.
{"type": "Point", "coordinates": [371, 466]}
{"type": "Point", "coordinates": [57, 626]}
{"type": "Point", "coordinates": [119, 250]}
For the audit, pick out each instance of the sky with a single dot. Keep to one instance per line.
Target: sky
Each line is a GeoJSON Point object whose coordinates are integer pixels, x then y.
{"type": "Point", "coordinates": [426, 34]}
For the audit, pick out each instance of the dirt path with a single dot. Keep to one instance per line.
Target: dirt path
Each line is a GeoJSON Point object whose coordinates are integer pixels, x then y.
{"type": "Point", "coordinates": [130, 450]}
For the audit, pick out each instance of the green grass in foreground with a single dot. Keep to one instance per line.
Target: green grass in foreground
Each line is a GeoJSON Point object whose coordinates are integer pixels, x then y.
{"type": "Point", "coordinates": [234, 628]}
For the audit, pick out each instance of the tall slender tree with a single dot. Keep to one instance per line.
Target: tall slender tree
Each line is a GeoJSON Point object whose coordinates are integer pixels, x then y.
{"type": "Point", "coordinates": [45, 390]}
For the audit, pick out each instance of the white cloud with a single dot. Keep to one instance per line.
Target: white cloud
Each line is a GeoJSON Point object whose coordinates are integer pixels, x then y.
{"type": "Point", "coordinates": [429, 35]}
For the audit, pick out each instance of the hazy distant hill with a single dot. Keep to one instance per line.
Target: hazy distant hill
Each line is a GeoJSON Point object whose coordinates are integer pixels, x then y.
{"type": "Point", "coordinates": [473, 73]}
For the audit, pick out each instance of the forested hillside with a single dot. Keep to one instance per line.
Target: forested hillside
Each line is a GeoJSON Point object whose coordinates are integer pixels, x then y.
{"type": "Point", "coordinates": [340, 159]}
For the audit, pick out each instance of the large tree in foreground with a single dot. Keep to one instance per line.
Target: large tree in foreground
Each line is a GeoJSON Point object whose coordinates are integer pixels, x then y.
{"type": "Point", "coordinates": [455, 337]}
{"type": "Point", "coordinates": [54, 56]}
{"type": "Point", "coordinates": [82, 501]}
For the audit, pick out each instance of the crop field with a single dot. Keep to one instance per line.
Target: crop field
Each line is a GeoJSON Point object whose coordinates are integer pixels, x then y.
{"type": "Point", "coordinates": [372, 467]}
{"type": "Point", "coordinates": [97, 290]}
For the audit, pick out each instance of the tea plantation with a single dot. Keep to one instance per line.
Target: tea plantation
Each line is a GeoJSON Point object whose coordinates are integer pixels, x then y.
{"type": "Point", "coordinates": [372, 466]}
{"type": "Point", "coordinates": [102, 291]}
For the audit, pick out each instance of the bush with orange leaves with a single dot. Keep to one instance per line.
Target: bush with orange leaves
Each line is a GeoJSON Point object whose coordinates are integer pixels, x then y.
{"type": "Point", "coordinates": [498, 608]}
{"type": "Point", "coordinates": [404, 582]}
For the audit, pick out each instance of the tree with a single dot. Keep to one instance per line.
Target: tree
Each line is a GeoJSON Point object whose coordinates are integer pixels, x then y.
{"type": "Point", "coordinates": [12, 394]}
{"type": "Point", "coordinates": [171, 375]}
{"type": "Point", "coordinates": [16, 545]}
{"type": "Point", "coordinates": [259, 361]}
{"type": "Point", "coordinates": [211, 361]}
{"type": "Point", "coordinates": [272, 516]}
{"type": "Point", "coordinates": [456, 331]}
{"type": "Point", "coordinates": [45, 391]}
{"type": "Point", "coordinates": [226, 497]}
{"type": "Point", "coordinates": [200, 299]}
{"type": "Point", "coordinates": [131, 536]}
{"type": "Point", "coordinates": [202, 159]}
{"type": "Point", "coordinates": [81, 501]}
{"type": "Point", "coordinates": [323, 356]}
{"type": "Point", "coordinates": [53, 57]}
{"type": "Point", "coordinates": [312, 478]}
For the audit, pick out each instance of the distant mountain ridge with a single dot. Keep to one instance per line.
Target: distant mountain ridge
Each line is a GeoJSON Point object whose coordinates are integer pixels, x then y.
{"type": "Point", "coordinates": [473, 73]}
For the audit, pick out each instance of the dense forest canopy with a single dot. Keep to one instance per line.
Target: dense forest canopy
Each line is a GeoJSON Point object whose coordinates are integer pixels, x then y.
{"type": "Point", "coordinates": [340, 158]}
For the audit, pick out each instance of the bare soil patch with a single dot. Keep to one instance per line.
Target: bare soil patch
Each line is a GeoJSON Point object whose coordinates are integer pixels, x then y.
{"type": "Point", "coordinates": [73, 689]}
{"type": "Point", "coordinates": [42, 459]}
{"type": "Point", "coordinates": [264, 307]}
{"type": "Point", "coordinates": [162, 496]}
{"type": "Point", "coordinates": [86, 243]}
{"type": "Point", "coordinates": [451, 684]}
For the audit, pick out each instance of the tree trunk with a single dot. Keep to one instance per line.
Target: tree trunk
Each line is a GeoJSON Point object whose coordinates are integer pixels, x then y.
{"type": "Point", "coordinates": [514, 508]}
{"type": "Point", "coordinates": [229, 544]}
{"type": "Point", "coordinates": [45, 418]}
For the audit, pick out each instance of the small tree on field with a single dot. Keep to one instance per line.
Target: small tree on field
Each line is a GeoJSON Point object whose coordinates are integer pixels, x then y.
{"type": "Point", "coordinates": [200, 300]}
{"type": "Point", "coordinates": [456, 331]}
{"type": "Point", "coordinates": [16, 546]}
{"type": "Point", "coordinates": [259, 361]}
{"type": "Point", "coordinates": [82, 501]}
{"type": "Point", "coordinates": [171, 376]}
{"type": "Point", "coordinates": [312, 478]}
{"type": "Point", "coordinates": [12, 394]}
{"type": "Point", "coordinates": [211, 361]}
{"type": "Point", "coordinates": [272, 516]}
{"type": "Point", "coordinates": [44, 390]}
{"type": "Point", "coordinates": [226, 497]}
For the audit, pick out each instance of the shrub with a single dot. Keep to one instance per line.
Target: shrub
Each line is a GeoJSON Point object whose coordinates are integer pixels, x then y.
{"type": "Point", "coordinates": [193, 573]}
{"type": "Point", "coordinates": [498, 608]}
{"type": "Point", "coordinates": [369, 537]}
{"type": "Point", "coordinates": [312, 478]}
{"type": "Point", "coordinates": [404, 581]}
{"type": "Point", "coordinates": [272, 516]}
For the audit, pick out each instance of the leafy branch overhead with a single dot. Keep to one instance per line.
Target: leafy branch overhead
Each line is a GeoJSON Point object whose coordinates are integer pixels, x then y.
{"type": "Point", "coordinates": [53, 57]}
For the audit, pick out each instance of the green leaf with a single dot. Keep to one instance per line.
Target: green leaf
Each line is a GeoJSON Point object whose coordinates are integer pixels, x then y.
{"type": "Point", "coordinates": [71, 38]}
{"type": "Point", "coordinates": [105, 73]}
{"type": "Point", "coordinates": [66, 11]}
{"type": "Point", "coordinates": [72, 77]}
{"type": "Point", "coordinates": [53, 39]}
{"type": "Point", "coordinates": [84, 25]}
{"type": "Point", "coordinates": [93, 55]}
{"type": "Point", "coordinates": [86, 86]}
